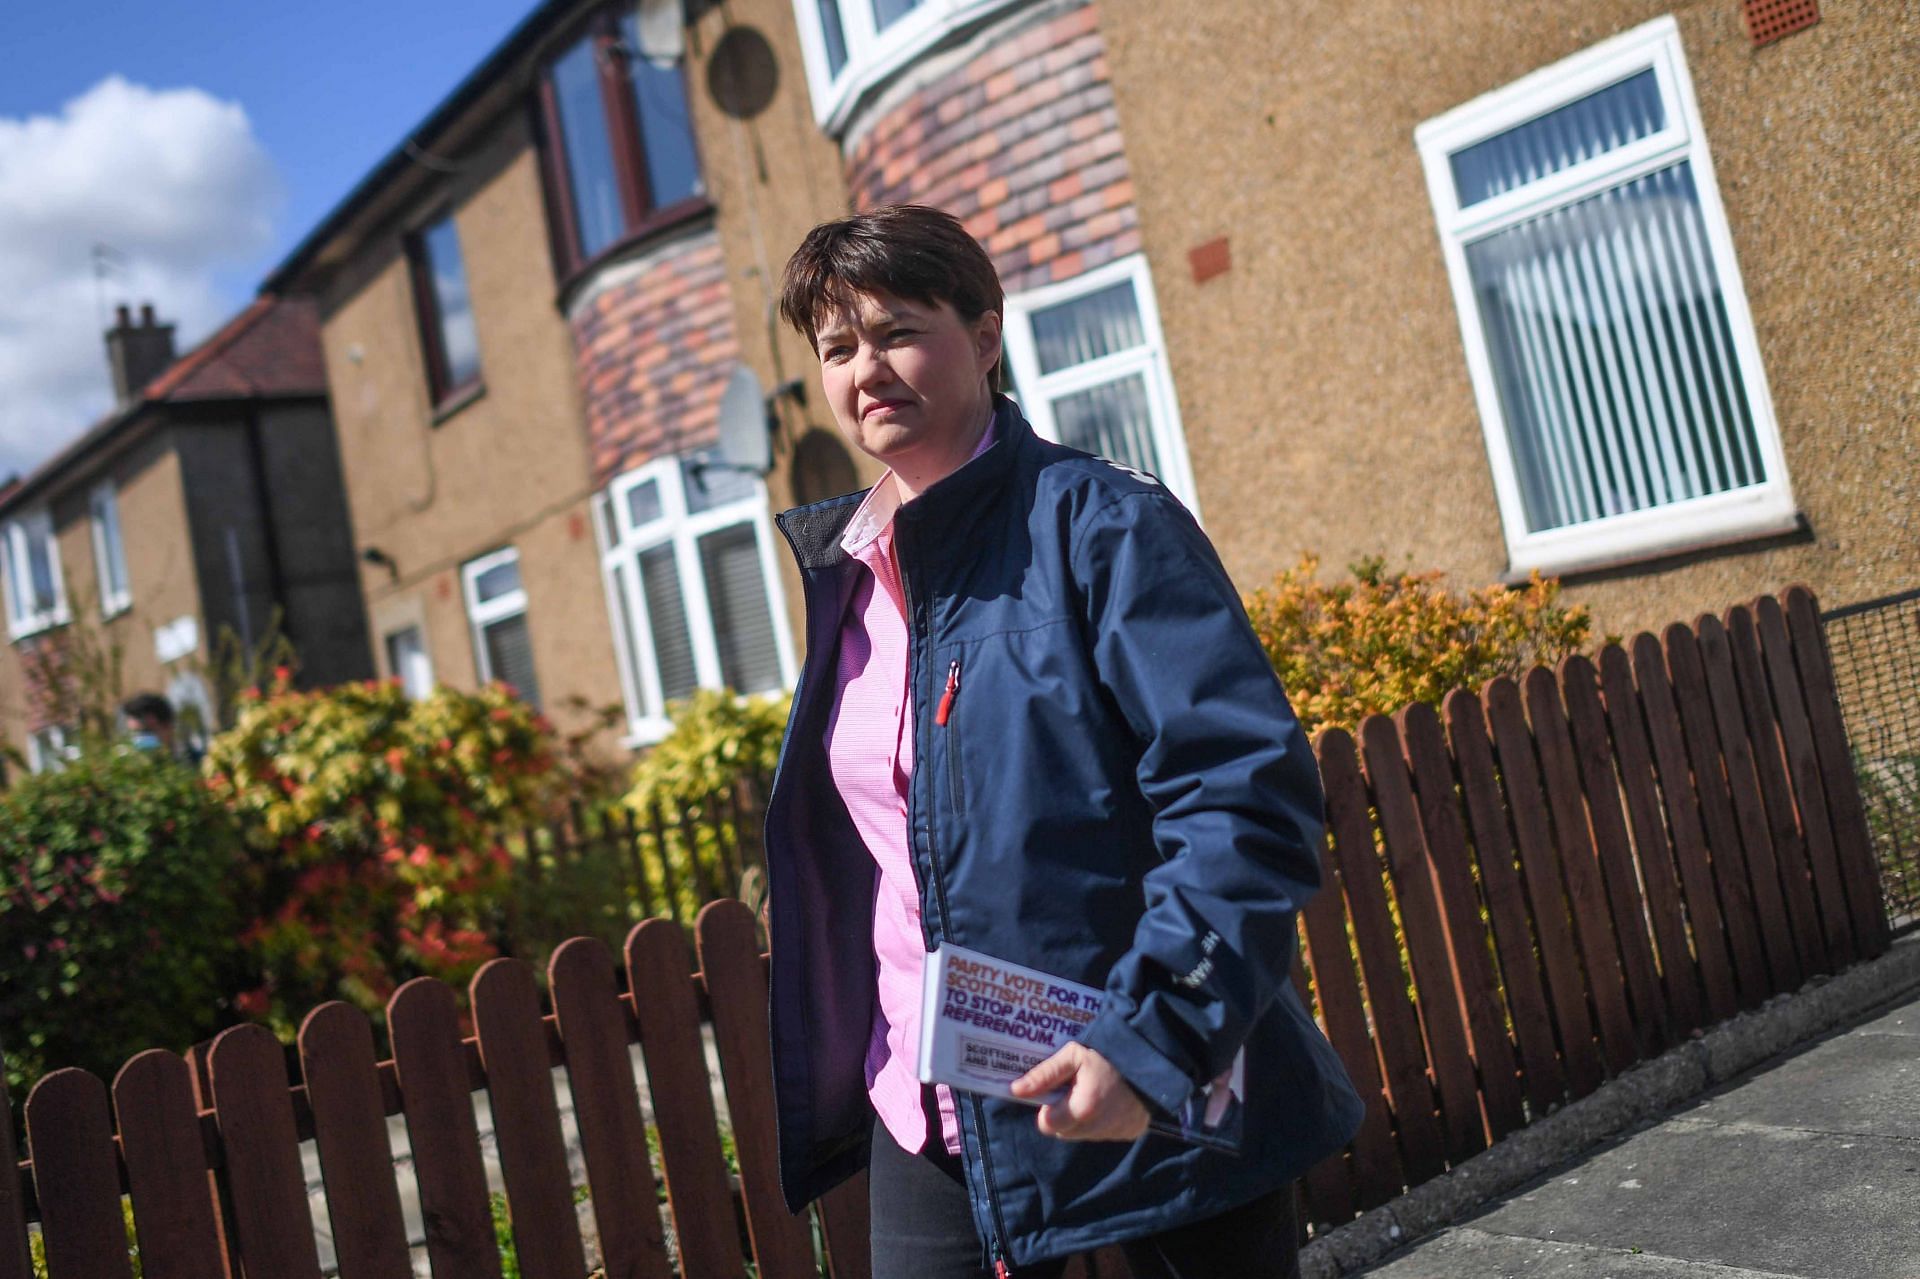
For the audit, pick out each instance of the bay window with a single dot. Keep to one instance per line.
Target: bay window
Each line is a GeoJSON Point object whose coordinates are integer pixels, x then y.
{"type": "Point", "coordinates": [620, 153]}
{"type": "Point", "coordinates": [852, 46]}
{"type": "Point", "coordinates": [1625, 410]}
{"type": "Point", "coordinates": [693, 586]}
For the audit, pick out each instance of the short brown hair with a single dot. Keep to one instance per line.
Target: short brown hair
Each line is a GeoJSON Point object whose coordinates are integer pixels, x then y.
{"type": "Point", "coordinates": [907, 250]}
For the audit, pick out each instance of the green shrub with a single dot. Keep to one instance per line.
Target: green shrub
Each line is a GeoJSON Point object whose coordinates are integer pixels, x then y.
{"type": "Point", "coordinates": [116, 922]}
{"type": "Point", "coordinates": [723, 746]}
{"type": "Point", "coordinates": [375, 830]}
{"type": "Point", "coordinates": [1376, 641]}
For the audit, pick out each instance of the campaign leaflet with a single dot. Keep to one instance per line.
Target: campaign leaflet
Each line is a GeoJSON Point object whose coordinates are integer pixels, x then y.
{"type": "Point", "coordinates": [984, 1022]}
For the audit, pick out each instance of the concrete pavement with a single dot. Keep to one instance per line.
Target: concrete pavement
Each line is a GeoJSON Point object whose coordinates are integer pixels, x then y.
{"type": "Point", "coordinates": [1806, 1168]}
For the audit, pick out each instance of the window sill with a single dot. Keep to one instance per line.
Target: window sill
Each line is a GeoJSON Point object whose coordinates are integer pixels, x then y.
{"type": "Point", "coordinates": [1653, 554]}
{"type": "Point", "coordinates": [457, 399]}
{"type": "Point", "coordinates": [38, 626]}
{"type": "Point", "coordinates": [657, 228]}
{"type": "Point", "coordinates": [114, 608]}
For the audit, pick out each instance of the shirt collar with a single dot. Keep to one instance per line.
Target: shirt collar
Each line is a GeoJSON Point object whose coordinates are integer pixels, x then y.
{"type": "Point", "coordinates": [874, 515]}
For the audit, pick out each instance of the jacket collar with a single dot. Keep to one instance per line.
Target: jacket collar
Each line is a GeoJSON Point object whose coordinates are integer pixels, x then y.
{"type": "Point", "coordinates": [815, 531]}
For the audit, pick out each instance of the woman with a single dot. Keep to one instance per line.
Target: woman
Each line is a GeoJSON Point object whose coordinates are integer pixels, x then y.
{"type": "Point", "coordinates": [1033, 721]}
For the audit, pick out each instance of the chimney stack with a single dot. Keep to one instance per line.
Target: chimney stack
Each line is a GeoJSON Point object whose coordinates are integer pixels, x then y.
{"type": "Point", "coordinates": [137, 353]}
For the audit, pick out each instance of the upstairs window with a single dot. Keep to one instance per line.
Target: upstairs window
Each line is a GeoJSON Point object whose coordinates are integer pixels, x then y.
{"type": "Point", "coordinates": [1625, 411]}
{"type": "Point", "coordinates": [853, 46]}
{"type": "Point", "coordinates": [448, 337]}
{"type": "Point", "coordinates": [694, 587]}
{"type": "Point", "coordinates": [1090, 370]}
{"type": "Point", "coordinates": [36, 595]}
{"type": "Point", "coordinates": [497, 611]}
{"type": "Point", "coordinates": [620, 151]}
{"type": "Point", "coordinates": [109, 552]}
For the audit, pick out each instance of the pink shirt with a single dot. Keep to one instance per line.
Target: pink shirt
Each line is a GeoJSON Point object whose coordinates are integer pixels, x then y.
{"type": "Point", "coordinates": [870, 750]}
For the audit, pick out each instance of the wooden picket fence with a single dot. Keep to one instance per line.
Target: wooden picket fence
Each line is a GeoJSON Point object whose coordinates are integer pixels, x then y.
{"type": "Point", "coordinates": [1549, 880]}
{"type": "Point", "coordinates": [1525, 893]}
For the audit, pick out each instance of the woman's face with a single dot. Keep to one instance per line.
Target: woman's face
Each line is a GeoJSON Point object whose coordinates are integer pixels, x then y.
{"type": "Point", "coordinates": [908, 382]}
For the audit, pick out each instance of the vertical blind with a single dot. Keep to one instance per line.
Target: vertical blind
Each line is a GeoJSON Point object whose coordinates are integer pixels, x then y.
{"type": "Point", "coordinates": [742, 622]}
{"type": "Point", "coordinates": [1088, 327]}
{"type": "Point", "coordinates": [1602, 121]}
{"type": "Point", "coordinates": [510, 655]}
{"type": "Point", "coordinates": [667, 619]}
{"type": "Point", "coordinates": [1113, 420]}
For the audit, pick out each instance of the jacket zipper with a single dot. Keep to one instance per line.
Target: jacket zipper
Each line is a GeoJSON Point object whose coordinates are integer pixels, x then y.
{"type": "Point", "coordinates": [943, 717]}
{"type": "Point", "coordinates": [995, 1247]}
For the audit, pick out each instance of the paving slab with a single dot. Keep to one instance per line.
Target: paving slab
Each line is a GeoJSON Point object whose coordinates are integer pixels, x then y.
{"type": "Point", "coordinates": [1808, 1168]}
{"type": "Point", "coordinates": [1486, 1255]}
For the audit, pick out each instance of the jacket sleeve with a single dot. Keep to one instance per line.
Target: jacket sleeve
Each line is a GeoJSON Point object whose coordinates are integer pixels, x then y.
{"type": "Point", "coordinates": [1233, 786]}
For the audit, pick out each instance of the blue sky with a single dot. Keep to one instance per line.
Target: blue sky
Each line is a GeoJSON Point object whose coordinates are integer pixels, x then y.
{"type": "Point", "coordinates": [202, 139]}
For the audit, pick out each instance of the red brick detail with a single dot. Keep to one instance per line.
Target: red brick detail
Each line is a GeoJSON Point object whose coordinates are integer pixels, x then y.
{"type": "Point", "coordinates": [1209, 259]}
{"type": "Point", "coordinates": [653, 354]}
{"type": "Point", "coordinates": [1022, 143]}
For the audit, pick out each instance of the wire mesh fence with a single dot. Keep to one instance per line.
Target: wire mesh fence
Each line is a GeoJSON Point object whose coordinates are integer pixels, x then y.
{"type": "Point", "coordinates": [1876, 669]}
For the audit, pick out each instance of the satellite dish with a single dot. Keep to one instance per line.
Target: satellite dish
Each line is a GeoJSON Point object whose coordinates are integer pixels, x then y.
{"type": "Point", "coordinates": [743, 74]}
{"type": "Point", "coordinates": [746, 429]}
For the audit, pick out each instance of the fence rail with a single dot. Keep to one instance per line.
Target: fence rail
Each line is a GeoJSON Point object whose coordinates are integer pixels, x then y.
{"type": "Point", "coordinates": [1876, 667]}
{"type": "Point", "coordinates": [1526, 892]}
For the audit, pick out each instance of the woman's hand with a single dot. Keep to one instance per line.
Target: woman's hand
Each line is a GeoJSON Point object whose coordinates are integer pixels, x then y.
{"type": "Point", "coordinates": [1100, 1104]}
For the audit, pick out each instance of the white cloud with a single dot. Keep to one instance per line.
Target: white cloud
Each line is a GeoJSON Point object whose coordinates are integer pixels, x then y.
{"type": "Point", "coordinates": [175, 182]}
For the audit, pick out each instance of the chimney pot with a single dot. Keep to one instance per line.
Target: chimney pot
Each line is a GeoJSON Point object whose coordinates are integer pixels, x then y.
{"type": "Point", "coordinates": [122, 317]}
{"type": "Point", "coordinates": [146, 315]}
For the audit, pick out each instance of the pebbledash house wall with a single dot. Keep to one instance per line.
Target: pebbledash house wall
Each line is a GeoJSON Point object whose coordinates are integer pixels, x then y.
{"type": "Point", "coordinates": [1322, 377]}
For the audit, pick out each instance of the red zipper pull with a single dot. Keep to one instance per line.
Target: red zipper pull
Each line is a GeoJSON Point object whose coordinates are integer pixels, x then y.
{"type": "Point", "coordinates": [946, 698]}
{"type": "Point", "coordinates": [1000, 1270]}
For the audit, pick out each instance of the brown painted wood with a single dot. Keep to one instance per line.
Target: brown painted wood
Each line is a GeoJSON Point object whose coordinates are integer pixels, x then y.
{"type": "Point", "coordinates": [1593, 752]}
{"type": "Point", "coordinates": [737, 990]}
{"type": "Point", "coordinates": [264, 1180]}
{"type": "Point", "coordinates": [1376, 1161]}
{"type": "Point", "coordinates": [526, 1120]}
{"type": "Point", "coordinates": [1776, 792]}
{"type": "Point", "coordinates": [1706, 927]}
{"type": "Point", "coordinates": [1580, 869]}
{"type": "Point", "coordinates": [1440, 996]}
{"type": "Point", "coordinates": [1724, 851]}
{"type": "Point", "coordinates": [846, 1223]}
{"type": "Point", "coordinates": [1859, 872]}
{"type": "Point", "coordinates": [200, 1063]}
{"type": "Point", "coordinates": [16, 1262]}
{"type": "Point", "coordinates": [423, 1024]}
{"type": "Point", "coordinates": [75, 1180]}
{"type": "Point", "coordinates": [1546, 890]}
{"type": "Point", "coordinates": [1403, 1056]}
{"type": "Point", "coordinates": [1437, 791]}
{"type": "Point", "coordinates": [669, 1016]}
{"type": "Point", "coordinates": [1544, 1079]}
{"type": "Point", "coordinates": [1803, 766]}
{"type": "Point", "coordinates": [350, 1133]}
{"type": "Point", "coordinates": [1665, 904]}
{"type": "Point", "coordinates": [161, 1147]}
{"type": "Point", "coordinates": [606, 1106]}
{"type": "Point", "coordinates": [1736, 751]}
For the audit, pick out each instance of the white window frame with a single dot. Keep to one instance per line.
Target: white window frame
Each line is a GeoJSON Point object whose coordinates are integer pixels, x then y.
{"type": "Point", "coordinates": [51, 754]}
{"type": "Point", "coordinates": [1037, 392]}
{"type": "Point", "coordinates": [106, 543]}
{"type": "Point", "coordinates": [479, 615]}
{"type": "Point", "coordinates": [873, 56]}
{"type": "Point", "coordinates": [14, 537]}
{"type": "Point", "coordinates": [1718, 518]}
{"type": "Point", "coordinates": [622, 542]}
{"type": "Point", "coordinates": [387, 637]}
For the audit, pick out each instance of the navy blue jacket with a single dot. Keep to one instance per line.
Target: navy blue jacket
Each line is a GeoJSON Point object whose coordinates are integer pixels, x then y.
{"type": "Point", "coordinates": [1120, 795]}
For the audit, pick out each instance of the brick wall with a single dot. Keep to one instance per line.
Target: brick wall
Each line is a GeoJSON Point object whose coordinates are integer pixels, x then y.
{"type": "Point", "coordinates": [1021, 142]}
{"type": "Point", "coordinates": [655, 344]}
